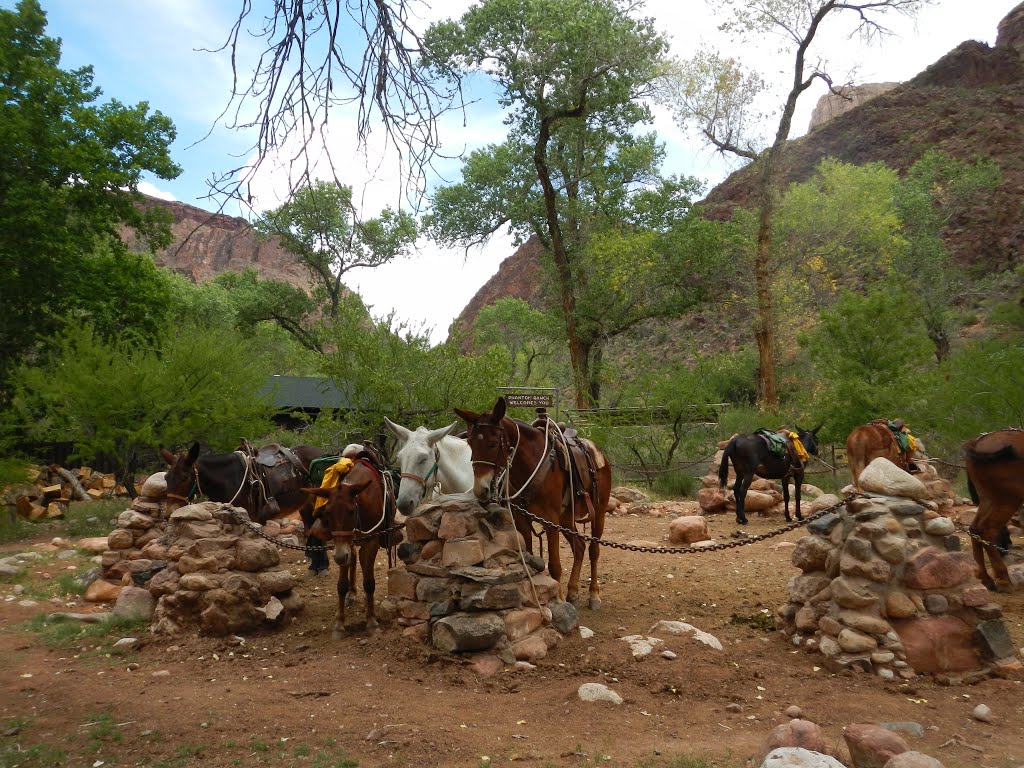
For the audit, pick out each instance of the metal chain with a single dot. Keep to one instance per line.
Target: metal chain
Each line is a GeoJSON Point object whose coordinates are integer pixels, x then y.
{"type": "Point", "coordinates": [978, 538]}
{"type": "Point", "coordinates": [684, 550]}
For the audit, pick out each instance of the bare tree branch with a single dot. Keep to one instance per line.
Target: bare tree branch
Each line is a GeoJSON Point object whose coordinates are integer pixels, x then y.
{"type": "Point", "coordinates": [307, 71]}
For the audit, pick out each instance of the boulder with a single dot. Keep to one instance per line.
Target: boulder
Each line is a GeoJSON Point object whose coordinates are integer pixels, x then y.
{"type": "Point", "coordinates": [882, 476]}
{"type": "Point", "coordinates": [627, 495]}
{"type": "Point", "coordinates": [795, 733]}
{"type": "Point", "coordinates": [872, 746]}
{"type": "Point", "coordinates": [688, 529]}
{"type": "Point", "coordinates": [797, 757]}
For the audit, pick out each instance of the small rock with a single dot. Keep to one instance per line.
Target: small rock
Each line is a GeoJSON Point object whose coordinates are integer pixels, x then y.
{"type": "Point", "coordinates": [982, 713]}
{"type": "Point", "coordinates": [586, 633]}
{"type": "Point", "coordinates": [598, 692]}
{"type": "Point", "coordinates": [523, 666]}
{"type": "Point", "coordinates": [793, 712]}
{"type": "Point", "coordinates": [732, 706]}
{"type": "Point", "coordinates": [670, 655]}
{"type": "Point", "coordinates": [162, 673]}
{"type": "Point", "coordinates": [127, 642]}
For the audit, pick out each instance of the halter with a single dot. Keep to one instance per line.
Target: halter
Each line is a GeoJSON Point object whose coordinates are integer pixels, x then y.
{"type": "Point", "coordinates": [197, 490]}
{"type": "Point", "coordinates": [423, 480]}
{"type": "Point", "coordinates": [503, 478]}
{"type": "Point", "coordinates": [388, 494]}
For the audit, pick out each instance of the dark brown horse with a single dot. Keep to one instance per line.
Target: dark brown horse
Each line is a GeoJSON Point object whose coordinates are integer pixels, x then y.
{"type": "Point", "coordinates": [995, 478]}
{"type": "Point", "coordinates": [869, 442]}
{"type": "Point", "coordinates": [359, 506]}
{"type": "Point", "coordinates": [266, 482]}
{"type": "Point", "coordinates": [517, 461]}
{"type": "Point", "coordinates": [752, 455]}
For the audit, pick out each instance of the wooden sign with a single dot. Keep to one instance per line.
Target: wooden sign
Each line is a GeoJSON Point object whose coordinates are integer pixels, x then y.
{"type": "Point", "coordinates": [529, 399]}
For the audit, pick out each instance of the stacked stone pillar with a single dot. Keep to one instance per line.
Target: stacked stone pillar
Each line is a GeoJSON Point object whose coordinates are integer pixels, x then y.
{"type": "Point", "coordinates": [468, 585]}
{"type": "Point", "coordinates": [885, 589]}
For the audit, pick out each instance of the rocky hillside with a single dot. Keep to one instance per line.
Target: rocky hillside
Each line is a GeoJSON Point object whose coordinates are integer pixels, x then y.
{"type": "Point", "coordinates": [969, 104]}
{"type": "Point", "coordinates": [206, 244]}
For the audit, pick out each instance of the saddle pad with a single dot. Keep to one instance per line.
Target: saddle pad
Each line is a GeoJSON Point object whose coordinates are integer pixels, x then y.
{"type": "Point", "coordinates": [776, 442]}
{"type": "Point", "coordinates": [317, 468]}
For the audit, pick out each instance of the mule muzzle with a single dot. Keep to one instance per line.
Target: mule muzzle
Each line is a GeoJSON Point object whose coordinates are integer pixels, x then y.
{"type": "Point", "coordinates": [483, 481]}
{"type": "Point", "coordinates": [342, 552]}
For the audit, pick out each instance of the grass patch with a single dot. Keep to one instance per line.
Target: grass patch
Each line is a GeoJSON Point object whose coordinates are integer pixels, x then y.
{"type": "Point", "coordinates": [761, 620]}
{"type": "Point", "coordinates": [41, 755]}
{"type": "Point", "coordinates": [103, 730]}
{"type": "Point", "coordinates": [82, 519]}
{"type": "Point", "coordinates": [68, 633]}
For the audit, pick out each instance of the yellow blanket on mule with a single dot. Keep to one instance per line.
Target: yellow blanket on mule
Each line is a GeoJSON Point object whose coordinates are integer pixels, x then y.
{"type": "Point", "coordinates": [332, 476]}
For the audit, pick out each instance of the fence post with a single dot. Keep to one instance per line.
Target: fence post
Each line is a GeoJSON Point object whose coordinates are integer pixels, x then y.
{"type": "Point", "coordinates": [833, 462]}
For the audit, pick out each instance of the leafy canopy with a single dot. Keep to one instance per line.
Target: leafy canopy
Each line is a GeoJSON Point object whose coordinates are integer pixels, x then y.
{"type": "Point", "coordinates": [69, 173]}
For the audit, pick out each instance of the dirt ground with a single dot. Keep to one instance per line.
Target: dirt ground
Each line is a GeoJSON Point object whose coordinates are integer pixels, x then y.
{"type": "Point", "coordinates": [295, 697]}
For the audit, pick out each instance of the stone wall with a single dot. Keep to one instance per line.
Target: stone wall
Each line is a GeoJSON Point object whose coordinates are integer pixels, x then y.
{"type": "Point", "coordinates": [462, 586]}
{"type": "Point", "coordinates": [885, 589]}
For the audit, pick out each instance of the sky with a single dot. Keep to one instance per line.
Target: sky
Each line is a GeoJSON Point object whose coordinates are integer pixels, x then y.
{"type": "Point", "coordinates": [163, 52]}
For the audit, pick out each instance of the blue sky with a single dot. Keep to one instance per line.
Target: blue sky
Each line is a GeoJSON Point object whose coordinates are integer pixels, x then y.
{"type": "Point", "coordinates": [151, 50]}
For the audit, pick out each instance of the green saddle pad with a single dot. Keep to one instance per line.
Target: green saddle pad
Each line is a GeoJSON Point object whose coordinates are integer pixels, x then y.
{"type": "Point", "coordinates": [777, 443]}
{"type": "Point", "coordinates": [317, 468]}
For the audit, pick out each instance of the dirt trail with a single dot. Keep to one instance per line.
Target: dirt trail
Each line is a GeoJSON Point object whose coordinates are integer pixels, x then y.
{"type": "Point", "coordinates": [297, 698]}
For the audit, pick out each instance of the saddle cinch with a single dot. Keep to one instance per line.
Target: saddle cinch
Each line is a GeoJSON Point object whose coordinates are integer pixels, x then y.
{"type": "Point", "coordinates": [575, 455]}
{"type": "Point", "coordinates": [277, 470]}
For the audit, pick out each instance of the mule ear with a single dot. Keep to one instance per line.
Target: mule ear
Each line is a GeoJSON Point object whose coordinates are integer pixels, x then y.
{"type": "Point", "coordinates": [815, 430]}
{"type": "Point", "coordinates": [193, 453]}
{"type": "Point", "coordinates": [499, 409]}
{"type": "Point", "coordinates": [397, 430]}
{"type": "Point", "coordinates": [468, 416]}
{"type": "Point", "coordinates": [435, 435]}
{"type": "Point", "coordinates": [323, 493]}
{"type": "Point", "coordinates": [167, 456]}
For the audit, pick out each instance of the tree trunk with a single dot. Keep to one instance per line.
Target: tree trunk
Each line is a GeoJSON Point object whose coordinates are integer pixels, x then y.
{"type": "Point", "coordinates": [577, 354]}
{"type": "Point", "coordinates": [764, 320]}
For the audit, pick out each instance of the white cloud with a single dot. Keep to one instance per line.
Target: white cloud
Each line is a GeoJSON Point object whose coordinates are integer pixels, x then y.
{"type": "Point", "coordinates": [147, 188]}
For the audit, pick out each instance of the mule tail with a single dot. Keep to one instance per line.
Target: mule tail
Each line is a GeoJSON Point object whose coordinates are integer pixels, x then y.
{"type": "Point", "coordinates": [972, 490]}
{"type": "Point", "coordinates": [723, 469]}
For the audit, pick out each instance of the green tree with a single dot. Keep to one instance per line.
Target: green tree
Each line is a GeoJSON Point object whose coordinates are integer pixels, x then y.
{"type": "Point", "coordinates": [573, 75]}
{"type": "Point", "coordinates": [388, 369]}
{"type": "Point", "coordinates": [867, 350]}
{"type": "Point", "coordinates": [69, 172]}
{"type": "Point", "coordinates": [322, 229]}
{"type": "Point", "coordinates": [936, 189]}
{"type": "Point", "coordinates": [530, 336]}
{"type": "Point", "coordinates": [717, 95]}
{"type": "Point", "coordinates": [119, 399]}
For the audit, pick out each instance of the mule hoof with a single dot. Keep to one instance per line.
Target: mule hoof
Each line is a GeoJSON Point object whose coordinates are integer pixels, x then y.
{"type": "Point", "coordinates": [350, 600]}
{"type": "Point", "coordinates": [337, 634]}
{"type": "Point", "coordinates": [744, 521]}
{"type": "Point", "coordinates": [573, 600]}
{"type": "Point", "coordinates": [595, 603]}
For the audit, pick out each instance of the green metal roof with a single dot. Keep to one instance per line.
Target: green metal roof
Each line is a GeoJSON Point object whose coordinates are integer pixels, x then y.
{"type": "Point", "coordinates": [304, 392]}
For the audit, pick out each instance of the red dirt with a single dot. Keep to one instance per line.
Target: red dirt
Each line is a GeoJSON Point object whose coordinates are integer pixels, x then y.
{"type": "Point", "coordinates": [227, 704]}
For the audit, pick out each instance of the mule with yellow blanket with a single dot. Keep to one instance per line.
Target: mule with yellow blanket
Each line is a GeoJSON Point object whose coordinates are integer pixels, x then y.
{"type": "Point", "coordinates": [779, 455]}
{"type": "Point", "coordinates": [880, 438]}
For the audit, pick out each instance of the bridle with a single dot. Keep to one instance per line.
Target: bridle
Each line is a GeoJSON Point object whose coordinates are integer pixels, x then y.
{"type": "Point", "coordinates": [424, 481]}
{"type": "Point", "coordinates": [502, 479]}
{"type": "Point", "coordinates": [196, 489]}
{"type": "Point", "coordinates": [386, 495]}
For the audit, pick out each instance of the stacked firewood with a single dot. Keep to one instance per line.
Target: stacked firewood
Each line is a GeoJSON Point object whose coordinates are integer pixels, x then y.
{"type": "Point", "coordinates": [51, 489]}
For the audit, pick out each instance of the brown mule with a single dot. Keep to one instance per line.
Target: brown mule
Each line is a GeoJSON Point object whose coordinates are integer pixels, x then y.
{"type": "Point", "coordinates": [995, 478]}
{"type": "Point", "coordinates": [359, 505]}
{"type": "Point", "coordinates": [869, 441]}
{"type": "Point", "coordinates": [519, 458]}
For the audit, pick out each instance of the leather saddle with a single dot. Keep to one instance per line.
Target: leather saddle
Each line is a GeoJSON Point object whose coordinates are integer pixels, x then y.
{"type": "Point", "coordinates": [278, 471]}
{"type": "Point", "coordinates": [575, 456]}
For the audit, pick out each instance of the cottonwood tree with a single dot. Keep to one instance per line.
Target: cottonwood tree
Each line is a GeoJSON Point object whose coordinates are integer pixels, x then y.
{"type": "Point", "coordinates": [316, 58]}
{"type": "Point", "coordinates": [323, 230]}
{"type": "Point", "coordinates": [720, 97]}
{"type": "Point", "coordinates": [69, 173]}
{"type": "Point", "coordinates": [574, 76]}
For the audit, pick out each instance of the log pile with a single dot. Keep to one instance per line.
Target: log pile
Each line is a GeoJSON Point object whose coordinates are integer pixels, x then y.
{"type": "Point", "coordinates": [51, 489]}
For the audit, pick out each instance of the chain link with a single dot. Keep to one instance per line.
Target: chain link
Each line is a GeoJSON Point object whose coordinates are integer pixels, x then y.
{"type": "Point", "coordinates": [978, 538]}
{"type": "Point", "coordinates": [747, 540]}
